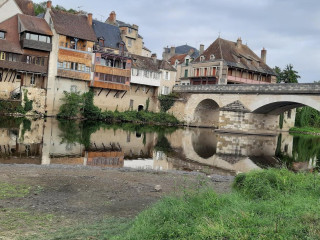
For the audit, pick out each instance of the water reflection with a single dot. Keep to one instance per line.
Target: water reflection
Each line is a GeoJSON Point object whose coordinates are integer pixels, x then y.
{"type": "Point", "coordinates": [49, 141]}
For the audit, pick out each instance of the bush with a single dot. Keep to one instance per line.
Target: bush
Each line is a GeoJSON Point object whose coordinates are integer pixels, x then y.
{"type": "Point", "coordinates": [73, 103]}
{"type": "Point", "coordinates": [27, 103]}
{"type": "Point", "coordinates": [166, 101]}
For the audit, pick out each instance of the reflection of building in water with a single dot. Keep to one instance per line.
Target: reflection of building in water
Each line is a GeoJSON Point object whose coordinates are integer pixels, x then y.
{"type": "Point", "coordinates": [286, 143]}
{"type": "Point", "coordinates": [22, 144]}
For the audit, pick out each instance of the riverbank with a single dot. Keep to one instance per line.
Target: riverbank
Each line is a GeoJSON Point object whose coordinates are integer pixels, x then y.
{"type": "Point", "coordinates": [305, 130]}
{"type": "Point", "coordinates": [43, 202]}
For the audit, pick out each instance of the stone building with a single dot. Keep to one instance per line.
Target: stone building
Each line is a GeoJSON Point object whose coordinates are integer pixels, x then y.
{"type": "Point", "coordinates": [72, 57]}
{"type": "Point", "coordinates": [25, 44]}
{"type": "Point", "coordinates": [227, 62]}
{"type": "Point", "coordinates": [9, 8]}
{"type": "Point", "coordinates": [130, 36]}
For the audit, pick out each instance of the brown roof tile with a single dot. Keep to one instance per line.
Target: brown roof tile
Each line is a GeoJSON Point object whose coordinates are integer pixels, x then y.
{"type": "Point", "coordinates": [11, 43]}
{"type": "Point", "coordinates": [180, 58]}
{"type": "Point", "coordinates": [26, 6]}
{"type": "Point", "coordinates": [34, 25]}
{"type": "Point", "coordinates": [148, 63]}
{"type": "Point", "coordinates": [231, 54]}
{"type": "Point", "coordinates": [72, 25]}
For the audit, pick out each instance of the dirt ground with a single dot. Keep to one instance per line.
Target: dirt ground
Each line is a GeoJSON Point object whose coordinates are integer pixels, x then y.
{"type": "Point", "coordinates": [90, 194]}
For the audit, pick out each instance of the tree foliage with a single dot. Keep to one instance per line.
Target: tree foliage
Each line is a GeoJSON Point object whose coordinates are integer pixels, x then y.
{"type": "Point", "coordinates": [73, 103]}
{"type": "Point", "coordinates": [307, 117]}
{"type": "Point", "coordinates": [41, 8]}
{"type": "Point", "coordinates": [287, 75]}
{"type": "Point", "coordinates": [166, 102]}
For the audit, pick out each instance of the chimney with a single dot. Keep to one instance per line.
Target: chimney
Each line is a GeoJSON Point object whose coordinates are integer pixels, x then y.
{"type": "Point", "coordinates": [201, 50]}
{"type": "Point", "coordinates": [49, 4]}
{"type": "Point", "coordinates": [172, 51]}
{"type": "Point", "coordinates": [112, 18]}
{"type": "Point", "coordinates": [239, 42]}
{"type": "Point", "coordinates": [264, 55]}
{"type": "Point", "coordinates": [136, 27]}
{"type": "Point", "coordinates": [154, 57]}
{"type": "Point", "coordinates": [89, 18]}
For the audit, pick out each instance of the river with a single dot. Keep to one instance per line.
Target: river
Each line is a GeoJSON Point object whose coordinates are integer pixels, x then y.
{"type": "Point", "coordinates": [49, 141]}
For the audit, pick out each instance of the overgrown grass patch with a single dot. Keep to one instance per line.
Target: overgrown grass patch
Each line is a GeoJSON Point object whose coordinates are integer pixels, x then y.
{"type": "Point", "coordinates": [305, 129]}
{"type": "Point", "coordinates": [12, 191]}
{"type": "Point", "coordinates": [268, 204]}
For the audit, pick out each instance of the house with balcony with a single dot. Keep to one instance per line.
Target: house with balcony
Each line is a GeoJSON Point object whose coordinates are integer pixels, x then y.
{"type": "Point", "coordinates": [72, 57]}
{"type": "Point", "coordinates": [25, 45]}
{"type": "Point", "coordinates": [227, 62]}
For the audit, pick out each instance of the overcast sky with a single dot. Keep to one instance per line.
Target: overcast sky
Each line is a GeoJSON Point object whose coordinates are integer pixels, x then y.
{"type": "Point", "coordinates": [288, 29]}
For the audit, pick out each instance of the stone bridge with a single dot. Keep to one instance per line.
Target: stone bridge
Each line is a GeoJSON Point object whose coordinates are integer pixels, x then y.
{"type": "Point", "coordinates": [246, 108]}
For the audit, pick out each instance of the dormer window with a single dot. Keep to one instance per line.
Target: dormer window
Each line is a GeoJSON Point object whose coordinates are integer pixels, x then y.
{"type": "Point", "coordinates": [187, 62]}
{"type": "Point", "coordinates": [201, 58]}
{"type": "Point", "coordinates": [121, 48]}
{"type": "Point", "coordinates": [129, 30]}
{"type": "Point", "coordinates": [212, 57]}
{"type": "Point", "coordinates": [2, 35]}
{"type": "Point", "coordinates": [101, 42]}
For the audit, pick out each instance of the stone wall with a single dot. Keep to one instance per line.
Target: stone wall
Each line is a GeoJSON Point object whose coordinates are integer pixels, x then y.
{"type": "Point", "coordinates": [248, 122]}
{"type": "Point", "coordinates": [38, 96]}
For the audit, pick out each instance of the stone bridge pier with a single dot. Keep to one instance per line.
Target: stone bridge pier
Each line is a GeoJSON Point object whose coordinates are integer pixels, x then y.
{"type": "Point", "coordinates": [242, 108]}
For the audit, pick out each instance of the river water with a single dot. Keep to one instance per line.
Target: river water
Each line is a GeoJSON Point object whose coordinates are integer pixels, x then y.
{"type": "Point", "coordinates": [49, 141]}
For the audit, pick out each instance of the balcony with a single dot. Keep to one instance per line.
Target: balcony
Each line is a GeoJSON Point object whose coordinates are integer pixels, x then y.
{"type": "Point", "coordinates": [37, 45]}
{"type": "Point", "coordinates": [21, 65]}
{"type": "Point", "coordinates": [74, 74]}
{"type": "Point", "coordinates": [109, 85]}
{"type": "Point", "coordinates": [245, 80]}
{"type": "Point", "coordinates": [113, 71]}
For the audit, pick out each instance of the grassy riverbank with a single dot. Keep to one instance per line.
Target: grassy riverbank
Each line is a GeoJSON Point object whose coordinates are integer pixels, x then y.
{"type": "Point", "coordinates": [265, 204]}
{"type": "Point", "coordinates": [309, 130]}
{"type": "Point", "coordinates": [269, 204]}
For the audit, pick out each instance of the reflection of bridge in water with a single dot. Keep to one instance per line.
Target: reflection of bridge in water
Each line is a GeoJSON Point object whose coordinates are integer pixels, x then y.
{"type": "Point", "coordinates": [191, 149]}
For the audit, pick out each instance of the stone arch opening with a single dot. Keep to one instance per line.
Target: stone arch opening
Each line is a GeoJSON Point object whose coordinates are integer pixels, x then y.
{"type": "Point", "coordinates": [204, 143]}
{"type": "Point", "coordinates": [276, 108]}
{"type": "Point", "coordinates": [206, 114]}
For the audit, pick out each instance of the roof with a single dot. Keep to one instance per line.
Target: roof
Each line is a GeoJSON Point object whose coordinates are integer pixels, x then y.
{"type": "Point", "coordinates": [231, 55]}
{"type": "Point", "coordinates": [110, 33]}
{"type": "Point", "coordinates": [147, 49]}
{"type": "Point", "coordinates": [148, 63]}
{"type": "Point", "coordinates": [34, 25]}
{"type": "Point", "coordinates": [72, 25]}
{"type": "Point", "coordinates": [26, 6]}
{"type": "Point", "coordinates": [179, 57]}
{"type": "Point", "coordinates": [11, 43]}
{"type": "Point", "coordinates": [184, 49]}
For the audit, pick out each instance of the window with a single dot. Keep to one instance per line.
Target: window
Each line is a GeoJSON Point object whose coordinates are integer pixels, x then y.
{"type": "Point", "coordinates": [187, 62]}
{"type": "Point", "coordinates": [289, 114]}
{"type": "Point", "coordinates": [129, 42]}
{"type": "Point", "coordinates": [167, 75]}
{"type": "Point", "coordinates": [73, 88]}
{"type": "Point", "coordinates": [201, 58]}
{"type": "Point", "coordinates": [60, 65]}
{"type": "Point", "coordinates": [186, 73]}
{"type": "Point", "coordinates": [129, 30]}
{"type": "Point", "coordinates": [42, 38]}
{"type": "Point", "coordinates": [28, 60]}
{"type": "Point", "coordinates": [165, 90]}
{"type": "Point", "coordinates": [32, 80]}
{"type": "Point", "coordinates": [34, 37]}
{"type": "Point", "coordinates": [212, 57]}
{"type": "Point", "coordinates": [87, 69]}
{"type": "Point", "coordinates": [2, 35]}
{"type": "Point", "coordinates": [131, 104]}
{"type": "Point", "coordinates": [2, 56]}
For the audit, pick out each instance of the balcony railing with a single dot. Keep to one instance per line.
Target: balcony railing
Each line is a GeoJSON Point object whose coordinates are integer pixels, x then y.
{"type": "Point", "coordinates": [74, 74]}
{"type": "Point", "coordinates": [109, 85]}
{"type": "Point", "coordinates": [37, 45]}
{"type": "Point", "coordinates": [113, 71]}
{"type": "Point", "coordinates": [245, 80]}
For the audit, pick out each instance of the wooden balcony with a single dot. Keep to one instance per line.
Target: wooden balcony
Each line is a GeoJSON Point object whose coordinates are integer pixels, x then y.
{"type": "Point", "coordinates": [113, 71]}
{"type": "Point", "coordinates": [109, 85]}
{"type": "Point", "coordinates": [37, 45]}
{"type": "Point", "coordinates": [74, 74]}
{"type": "Point", "coordinates": [245, 80]}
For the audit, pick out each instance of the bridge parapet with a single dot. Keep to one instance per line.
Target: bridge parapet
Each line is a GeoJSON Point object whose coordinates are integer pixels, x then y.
{"type": "Point", "coordinates": [285, 88]}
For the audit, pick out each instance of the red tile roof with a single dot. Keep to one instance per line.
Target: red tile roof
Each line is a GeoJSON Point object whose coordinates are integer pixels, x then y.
{"type": "Point", "coordinates": [26, 6]}
{"type": "Point", "coordinates": [72, 25]}
{"type": "Point", "coordinates": [235, 56]}
{"type": "Point", "coordinates": [180, 58]}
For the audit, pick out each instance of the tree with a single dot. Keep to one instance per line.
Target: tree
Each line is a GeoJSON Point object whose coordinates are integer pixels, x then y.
{"type": "Point", "coordinates": [289, 75]}
{"type": "Point", "coordinates": [39, 8]}
{"type": "Point", "coordinates": [278, 72]}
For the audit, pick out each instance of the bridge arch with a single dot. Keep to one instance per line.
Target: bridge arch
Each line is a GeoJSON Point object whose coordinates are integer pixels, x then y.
{"type": "Point", "coordinates": [204, 143]}
{"type": "Point", "coordinates": [206, 113]}
{"type": "Point", "coordinates": [283, 104]}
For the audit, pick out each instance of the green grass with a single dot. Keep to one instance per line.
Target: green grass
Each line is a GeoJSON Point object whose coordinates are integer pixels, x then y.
{"type": "Point", "coordinates": [305, 129]}
{"type": "Point", "coordinates": [12, 191]}
{"type": "Point", "coordinates": [269, 204]}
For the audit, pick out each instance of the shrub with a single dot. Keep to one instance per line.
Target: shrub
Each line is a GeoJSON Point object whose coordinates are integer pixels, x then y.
{"type": "Point", "coordinates": [166, 101]}
{"type": "Point", "coordinates": [73, 102]}
{"type": "Point", "coordinates": [27, 103]}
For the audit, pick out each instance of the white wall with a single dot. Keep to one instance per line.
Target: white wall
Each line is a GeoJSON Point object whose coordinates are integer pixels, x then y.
{"type": "Point", "coordinates": [9, 9]}
{"type": "Point", "coordinates": [141, 79]}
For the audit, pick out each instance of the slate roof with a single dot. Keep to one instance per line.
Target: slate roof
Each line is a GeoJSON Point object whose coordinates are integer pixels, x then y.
{"type": "Point", "coordinates": [231, 53]}
{"type": "Point", "coordinates": [147, 63]}
{"type": "Point", "coordinates": [110, 33]}
{"type": "Point", "coordinates": [34, 25]}
{"type": "Point", "coordinates": [184, 49]}
{"type": "Point", "coordinates": [72, 25]}
{"type": "Point", "coordinates": [26, 6]}
{"type": "Point", "coordinates": [180, 58]}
